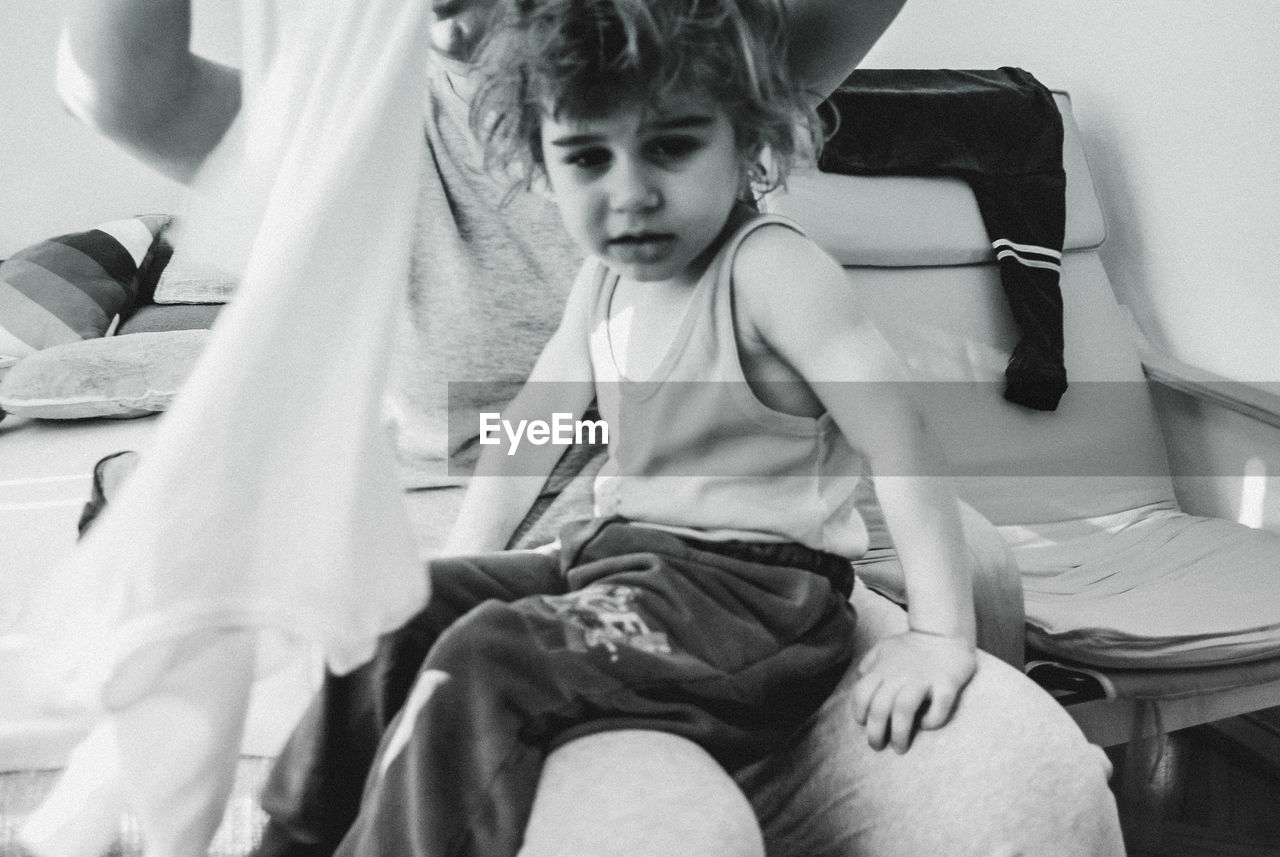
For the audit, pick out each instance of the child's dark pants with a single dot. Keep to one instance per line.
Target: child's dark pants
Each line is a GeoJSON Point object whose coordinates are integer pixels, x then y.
{"type": "Point", "coordinates": [731, 645]}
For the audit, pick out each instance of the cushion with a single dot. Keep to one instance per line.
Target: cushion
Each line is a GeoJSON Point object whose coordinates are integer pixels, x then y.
{"type": "Point", "coordinates": [1151, 588]}
{"type": "Point", "coordinates": [186, 280]}
{"type": "Point", "coordinates": [118, 376]}
{"type": "Point", "coordinates": [159, 317]}
{"type": "Point", "coordinates": [74, 286]}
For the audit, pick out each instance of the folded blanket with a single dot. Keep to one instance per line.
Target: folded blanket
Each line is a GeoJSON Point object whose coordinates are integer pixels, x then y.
{"type": "Point", "coordinates": [1000, 131]}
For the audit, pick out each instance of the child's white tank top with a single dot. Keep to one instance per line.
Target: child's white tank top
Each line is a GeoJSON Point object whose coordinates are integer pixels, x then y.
{"type": "Point", "coordinates": [693, 449]}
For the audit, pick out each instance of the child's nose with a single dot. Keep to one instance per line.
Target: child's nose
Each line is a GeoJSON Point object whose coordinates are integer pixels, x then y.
{"type": "Point", "coordinates": [634, 189]}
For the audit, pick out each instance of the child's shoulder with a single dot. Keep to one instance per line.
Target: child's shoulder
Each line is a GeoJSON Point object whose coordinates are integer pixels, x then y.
{"type": "Point", "coordinates": [772, 232]}
{"type": "Point", "coordinates": [778, 258]}
{"type": "Point", "coordinates": [794, 301]}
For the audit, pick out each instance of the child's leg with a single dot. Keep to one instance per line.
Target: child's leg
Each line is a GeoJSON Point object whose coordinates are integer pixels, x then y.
{"type": "Point", "coordinates": [81, 816]}
{"type": "Point", "coordinates": [165, 755]}
{"type": "Point", "coordinates": [453, 775]}
{"type": "Point", "coordinates": [314, 790]}
{"type": "Point", "coordinates": [731, 653]}
{"type": "Point", "coordinates": [177, 790]}
{"type": "Point", "coordinates": [179, 745]}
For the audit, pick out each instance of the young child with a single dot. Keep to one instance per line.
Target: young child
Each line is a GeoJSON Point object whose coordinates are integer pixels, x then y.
{"type": "Point", "coordinates": [745, 394]}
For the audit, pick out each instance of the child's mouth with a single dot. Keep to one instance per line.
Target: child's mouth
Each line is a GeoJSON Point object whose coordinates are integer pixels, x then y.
{"type": "Point", "coordinates": [641, 248]}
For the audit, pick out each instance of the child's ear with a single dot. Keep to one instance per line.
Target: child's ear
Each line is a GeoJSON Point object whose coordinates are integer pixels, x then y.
{"type": "Point", "coordinates": [753, 177]}
{"type": "Point", "coordinates": [760, 173]}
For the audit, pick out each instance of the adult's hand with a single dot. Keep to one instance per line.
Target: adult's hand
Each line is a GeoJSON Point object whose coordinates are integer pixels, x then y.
{"type": "Point", "coordinates": [459, 25]}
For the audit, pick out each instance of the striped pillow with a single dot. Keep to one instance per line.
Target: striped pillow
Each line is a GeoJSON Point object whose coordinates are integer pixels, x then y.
{"type": "Point", "coordinates": [75, 286]}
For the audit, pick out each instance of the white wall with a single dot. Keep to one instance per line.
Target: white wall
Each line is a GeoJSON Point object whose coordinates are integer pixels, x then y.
{"type": "Point", "coordinates": [55, 174]}
{"type": "Point", "coordinates": [1179, 104]}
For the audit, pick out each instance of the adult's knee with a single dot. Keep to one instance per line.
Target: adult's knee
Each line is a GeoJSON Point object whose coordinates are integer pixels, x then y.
{"type": "Point", "coordinates": [638, 793]}
{"type": "Point", "coordinates": [1032, 783]}
{"type": "Point", "coordinates": [1010, 774]}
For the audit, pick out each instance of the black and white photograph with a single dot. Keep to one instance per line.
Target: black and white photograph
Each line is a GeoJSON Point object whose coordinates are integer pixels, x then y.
{"type": "Point", "coordinates": [630, 428]}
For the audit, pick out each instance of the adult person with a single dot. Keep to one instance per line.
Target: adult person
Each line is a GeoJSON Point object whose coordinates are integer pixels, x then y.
{"type": "Point", "coordinates": [1010, 774]}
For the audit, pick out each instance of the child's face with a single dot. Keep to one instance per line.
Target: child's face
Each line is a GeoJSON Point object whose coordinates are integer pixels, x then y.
{"type": "Point", "coordinates": [647, 190]}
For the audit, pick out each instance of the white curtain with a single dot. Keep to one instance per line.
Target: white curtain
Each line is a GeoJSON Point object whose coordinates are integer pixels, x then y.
{"type": "Point", "coordinates": [267, 507]}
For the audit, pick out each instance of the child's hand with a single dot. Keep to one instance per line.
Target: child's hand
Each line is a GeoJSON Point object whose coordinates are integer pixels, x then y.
{"type": "Point", "coordinates": [905, 675]}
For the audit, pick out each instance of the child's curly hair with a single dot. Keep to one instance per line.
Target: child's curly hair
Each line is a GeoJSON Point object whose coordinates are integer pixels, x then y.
{"type": "Point", "coordinates": [584, 58]}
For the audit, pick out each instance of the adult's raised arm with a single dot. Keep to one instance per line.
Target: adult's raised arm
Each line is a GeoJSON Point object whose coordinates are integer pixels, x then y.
{"type": "Point", "coordinates": [126, 68]}
{"type": "Point", "coordinates": [830, 37]}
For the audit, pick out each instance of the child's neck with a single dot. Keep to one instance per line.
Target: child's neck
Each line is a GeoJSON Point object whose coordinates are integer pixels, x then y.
{"type": "Point", "coordinates": [689, 277]}
{"type": "Point", "coordinates": [645, 317]}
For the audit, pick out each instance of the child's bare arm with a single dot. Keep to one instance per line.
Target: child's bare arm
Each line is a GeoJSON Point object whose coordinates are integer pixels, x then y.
{"type": "Point", "coordinates": [817, 328]}
{"type": "Point", "coordinates": [920, 674]}
{"type": "Point", "coordinates": [505, 486]}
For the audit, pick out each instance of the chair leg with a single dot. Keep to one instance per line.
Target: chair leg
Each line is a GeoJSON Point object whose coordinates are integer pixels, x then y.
{"type": "Point", "coordinates": [1151, 780]}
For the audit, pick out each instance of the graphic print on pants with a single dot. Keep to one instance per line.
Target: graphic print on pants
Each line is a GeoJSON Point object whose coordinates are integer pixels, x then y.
{"type": "Point", "coordinates": [605, 617]}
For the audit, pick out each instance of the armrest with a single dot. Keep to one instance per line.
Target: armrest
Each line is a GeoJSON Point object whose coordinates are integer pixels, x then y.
{"type": "Point", "coordinates": [1257, 400]}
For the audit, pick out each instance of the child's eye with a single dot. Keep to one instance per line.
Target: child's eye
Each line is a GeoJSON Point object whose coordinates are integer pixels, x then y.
{"type": "Point", "coordinates": [587, 159]}
{"type": "Point", "coordinates": [672, 149]}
